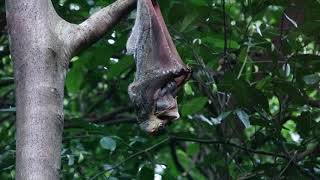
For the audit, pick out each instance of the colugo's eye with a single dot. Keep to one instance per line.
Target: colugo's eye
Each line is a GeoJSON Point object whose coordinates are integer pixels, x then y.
{"type": "Point", "coordinates": [159, 69]}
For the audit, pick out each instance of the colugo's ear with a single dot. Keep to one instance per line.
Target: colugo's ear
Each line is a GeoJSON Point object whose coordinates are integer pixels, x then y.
{"type": "Point", "coordinates": [160, 71]}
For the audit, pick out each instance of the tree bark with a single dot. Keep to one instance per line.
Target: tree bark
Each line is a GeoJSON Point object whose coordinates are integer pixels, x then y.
{"type": "Point", "coordinates": [42, 45]}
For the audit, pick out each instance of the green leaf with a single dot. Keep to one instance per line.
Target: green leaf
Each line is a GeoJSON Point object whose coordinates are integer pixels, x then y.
{"type": "Point", "coordinates": [244, 117]}
{"type": "Point", "coordinates": [81, 158]}
{"type": "Point", "coordinates": [289, 88]}
{"type": "Point", "coordinates": [218, 42]}
{"type": "Point", "coordinates": [305, 122]}
{"type": "Point", "coordinates": [188, 165]}
{"type": "Point", "coordinates": [75, 77]}
{"type": "Point", "coordinates": [194, 106]}
{"type": "Point", "coordinates": [70, 160]}
{"type": "Point", "coordinates": [118, 68]}
{"type": "Point", "coordinates": [185, 161]}
{"type": "Point", "coordinates": [199, 2]}
{"type": "Point", "coordinates": [193, 148]}
{"type": "Point", "coordinates": [247, 96]}
{"type": "Point", "coordinates": [187, 21]}
{"type": "Point", "coordinates": [167, 175]}
{"type": "Point", "coordinates": [188, 89]}
{"type": "Point", "coordinates": [108, 143]}
{"type": "Point", "coordinates": [312, 79]}
{"type": "Point", "coordinates": [113, 178]}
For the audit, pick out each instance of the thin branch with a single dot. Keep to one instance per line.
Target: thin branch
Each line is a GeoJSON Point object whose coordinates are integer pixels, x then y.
{"type": "Point", "coordinates": [102, 98]}
{"type": "Point", "coordinates": [132, 156]}
{"type": "Point", "coordinates": [285, 168]}
{"type": "Point", "coordinates": [209, 141]}
{"type": "Point", "coordinates": [224, 27]}
{"type": "Point", "coordinates": [112, 115]}
{"type": "Point", "coordinates": [114, 121]}
{"type": "Point", "coordinates": [306, 172]}
{"type": "Point", "coordinates": [173, 138]}
{"type": "Point", "coordinates": [309, 151]}
{"type": "Point", "coordinates": [83, 35]}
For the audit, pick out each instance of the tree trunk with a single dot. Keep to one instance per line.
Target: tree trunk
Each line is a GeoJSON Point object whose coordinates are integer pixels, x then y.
{"type": "Point", "coordinates": [41, 49]}
{"type": "Point", "coordinates": [40, 70]}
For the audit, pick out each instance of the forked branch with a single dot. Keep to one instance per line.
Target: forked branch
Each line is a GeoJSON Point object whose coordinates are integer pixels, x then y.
{"type": "Point", "coordinates": [79, 37]}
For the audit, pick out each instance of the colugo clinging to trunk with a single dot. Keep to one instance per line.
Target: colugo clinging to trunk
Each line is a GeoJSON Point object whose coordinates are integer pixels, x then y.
{"type": "Point", "coordinates": [160, 71]}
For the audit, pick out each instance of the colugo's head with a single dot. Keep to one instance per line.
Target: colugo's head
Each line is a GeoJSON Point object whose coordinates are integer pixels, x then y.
{"type": "Point", "coordinates": [155, 99]}
{"type": "Point", "coordinates": [160, 71]}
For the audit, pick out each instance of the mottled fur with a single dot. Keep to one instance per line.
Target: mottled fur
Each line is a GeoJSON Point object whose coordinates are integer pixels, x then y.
{"type": "Point", "coordinates": [157, 64]}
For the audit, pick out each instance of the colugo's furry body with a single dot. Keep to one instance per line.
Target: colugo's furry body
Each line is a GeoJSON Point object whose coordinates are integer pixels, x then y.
{"type": "Point", "coordinates": [159, 69]}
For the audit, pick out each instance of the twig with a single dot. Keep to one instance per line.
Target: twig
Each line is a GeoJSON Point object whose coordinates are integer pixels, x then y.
{"type": "Point", "coordinates": [105, 96]}
{"type": "Point", "coordinates": [132, 156]}
{"type": "Point", "coordinates": [208, 141]}
{"type": "Point", "coordinates": [245, 59]}
{"type": "Point", "coordinates": [285, 168]}
{"type": "Point", "coordinates": [111, 116]}
{"type": "Point", "coordinates": [112, 121]}
{"type": "Point", "coordinates": [224, 28]}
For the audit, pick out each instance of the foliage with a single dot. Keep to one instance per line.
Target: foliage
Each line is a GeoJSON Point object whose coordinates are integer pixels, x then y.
{"type": "Point", "coordinates": [250, 111]}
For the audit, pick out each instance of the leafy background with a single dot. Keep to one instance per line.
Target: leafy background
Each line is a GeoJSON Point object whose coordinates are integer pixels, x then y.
{"type": "Point", "coordinates": [250, 110]}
